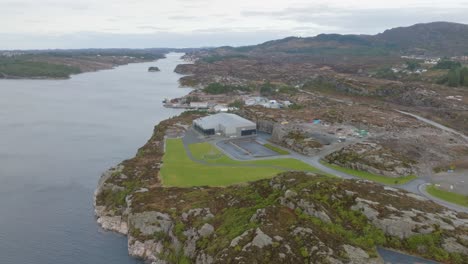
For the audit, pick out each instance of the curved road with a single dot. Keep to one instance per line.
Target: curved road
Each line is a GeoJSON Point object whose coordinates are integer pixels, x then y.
{"type": "Point", "coordinates": [416, 186]}
{"type": "Point", "coordinates": [434, 124]}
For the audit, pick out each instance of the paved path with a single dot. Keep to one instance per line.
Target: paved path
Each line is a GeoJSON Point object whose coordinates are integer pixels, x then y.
{"type": "Point", "coordinates": [435, 124]}
{"type": "Point", "coordinates": [416, 186]}
{"type": "Point", "coordinates": [419, 186]}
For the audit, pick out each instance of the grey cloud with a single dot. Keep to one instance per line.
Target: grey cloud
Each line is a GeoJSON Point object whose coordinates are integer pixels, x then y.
{"type": "Point", "coordinates": [368, 21]}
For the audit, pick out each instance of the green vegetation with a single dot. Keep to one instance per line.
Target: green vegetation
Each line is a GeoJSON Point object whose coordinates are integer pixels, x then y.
{"type": "Point", "coordinates": [372, 177]}
{"type": "Point", "coordinates": [447, 64]}
{"type": "Point", "coordinates": [412, 65]}
{"type": "Point", "coordinates": [363, 233]}
{"type": "Point", "coordinates": [430, 246]}
{"type": "Point", "coordinates": [190, 99]}
{"type": "Point", "coordinates": [268, 89]}
{"type": "Point", "coordinates": [218, 88]}
{"type": "Point", "coordinates": [386, 73]}
{"type": "Point", "coordinates": [276, 149]}
{"type": "Point", "coordinates": [237, 103]}
{"type": "Point", "coordinates": [296, 106]}
{"type": "Point", "coordinates": [341, 51]}
{"type": "Point", "coordinates": [179, 170]}
{"type": "Point", "coordinates": [457, 74]}
{"type": "Point", "coordinates": [233, 208]}
{"type": "Point", "coordinates": [448, 196]}
{"type": "Point", "coordinates": [457, 77]}
{"type": "Point", "coordinates": [23, 67]}
{"type": "Point", "coordinates": [116, 199]}
{"type": "Point", "coordinates": [320, 84]}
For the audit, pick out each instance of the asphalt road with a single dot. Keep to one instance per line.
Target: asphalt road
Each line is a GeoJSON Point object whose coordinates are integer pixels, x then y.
{"type": "Point", "coordinates": [434, 124]}
{"type": "Point", "coordinates": [417, 186]}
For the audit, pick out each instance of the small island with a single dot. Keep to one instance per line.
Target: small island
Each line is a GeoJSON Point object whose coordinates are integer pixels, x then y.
{"type": "Point", "coordinates": [153, 69]}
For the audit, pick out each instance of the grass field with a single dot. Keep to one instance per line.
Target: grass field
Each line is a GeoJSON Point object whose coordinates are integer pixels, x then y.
{"type": "Point", "coordinates": [372, 177]}
{"type": "Point", "coordinates": [179, 170]}
{"type": "Point", "coordinates": [276, 149]}
{"type": "Point", "coordinates": [211, 154]}
{"type": "Point", "coordinates": [448, 196]}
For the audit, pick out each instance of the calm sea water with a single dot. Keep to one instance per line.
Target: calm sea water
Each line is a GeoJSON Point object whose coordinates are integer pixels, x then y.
{"type": "Point", "coordinates": [56, 138]}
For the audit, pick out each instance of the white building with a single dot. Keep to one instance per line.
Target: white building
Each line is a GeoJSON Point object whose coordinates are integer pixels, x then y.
{"type": "Point", "coordinates": [221, 108]}
{"type": "Point", "coordinates": [256, 101]}
{"type": "Point", "coordinates": [229, 125]}
{"type": "Point", "coordinates": [272, 104]}
{"type": "Point", "coordinates": [199, 105]}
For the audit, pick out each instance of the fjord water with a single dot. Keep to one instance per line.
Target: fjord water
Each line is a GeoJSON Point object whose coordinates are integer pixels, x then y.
{"type": "Point", "coordinates": [56, 138]}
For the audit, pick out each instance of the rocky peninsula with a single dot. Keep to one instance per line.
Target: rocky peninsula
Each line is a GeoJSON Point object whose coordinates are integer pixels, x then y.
{"type": "Point", "coordinates": [294, 217]}
{"type": "Point", "coordinates": [61, 64]}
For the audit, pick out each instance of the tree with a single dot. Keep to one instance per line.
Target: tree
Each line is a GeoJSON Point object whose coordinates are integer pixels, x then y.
{"type": "Point", "coordinates": [464, 76]}
{"type": "Point", "coordinates": [446, 64]}
{"type": "Point", "coordinates": [412, 65]}
{"type": "Point", "coordinates": [454, 77]}
{"type": "Point", "coordinates": [266, 89]}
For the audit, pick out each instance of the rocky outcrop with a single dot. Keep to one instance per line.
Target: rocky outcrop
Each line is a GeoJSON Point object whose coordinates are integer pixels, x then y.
{"type": "Point", "coordinates": [302, 218]}
{"type": "Point", "coordinates": [295, 139]}
{"type": "Point", "coordinates": [153, 69]}
{"type": "Point", "coordinates": [373, 158]}
{"type": "Point", "coordinates": [406, 223]}
{"type": "Point", "coordinates": [109, 219]}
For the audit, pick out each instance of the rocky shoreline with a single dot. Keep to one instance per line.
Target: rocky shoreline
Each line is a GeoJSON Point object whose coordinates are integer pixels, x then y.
{"type": "Point", "coordinates": [105, 219]}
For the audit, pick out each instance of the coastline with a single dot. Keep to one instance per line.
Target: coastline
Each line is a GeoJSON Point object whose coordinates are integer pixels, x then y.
{"type": "Point", "coordinates": [46, 78]}
{"type": "Point", "coordinates": [106, 221]}
{"type": "Point", "coordinates": [137, 175]}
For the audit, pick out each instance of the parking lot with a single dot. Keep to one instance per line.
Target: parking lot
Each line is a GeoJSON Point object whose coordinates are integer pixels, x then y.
{"type": "Point", "coordinates": [245, 148]}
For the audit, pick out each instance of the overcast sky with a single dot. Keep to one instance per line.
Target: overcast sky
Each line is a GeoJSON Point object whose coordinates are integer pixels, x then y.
{"type": "Point", "coordinates": [41, 24]}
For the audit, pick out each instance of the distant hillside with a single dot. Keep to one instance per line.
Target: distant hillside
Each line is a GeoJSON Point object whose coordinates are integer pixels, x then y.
{"type": "Point", "coordinates": [438, 39]}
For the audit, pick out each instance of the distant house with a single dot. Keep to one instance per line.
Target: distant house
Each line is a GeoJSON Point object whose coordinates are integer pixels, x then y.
{"type": "Point", "coordinates": [272, 104]}
{"type": "Point", "coordinates": [229, 125]}
{"type": "Point", "coordinates": [255, 101]}
{"type": "Point", "coordinates": [221, 108]}
{"type": "Point", "coordinates": [199, 105]}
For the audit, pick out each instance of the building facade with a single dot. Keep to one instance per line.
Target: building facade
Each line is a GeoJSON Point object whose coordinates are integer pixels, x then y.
{"type": "Point", "coordinates": [226, 124]}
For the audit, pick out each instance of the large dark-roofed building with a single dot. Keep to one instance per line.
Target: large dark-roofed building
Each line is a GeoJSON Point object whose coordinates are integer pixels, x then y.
{"type": "Point", "coordinates": [229, 125]}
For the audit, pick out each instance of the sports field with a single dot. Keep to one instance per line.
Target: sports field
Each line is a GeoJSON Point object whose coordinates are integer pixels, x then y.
{"type": "Point", "coordinates": [216, 169]}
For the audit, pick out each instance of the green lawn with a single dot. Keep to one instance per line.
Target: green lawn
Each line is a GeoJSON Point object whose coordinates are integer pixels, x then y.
{"type": "Point", "coordinates": [211, 154]}
{"type": "Point", "coordinates": [179, 170]}
{"type": "Point", "coordinates": [448, 196]}
{"type": "Point", "coordinates": [372, 177]}
{"type": "Point", "coordinates": [276, 149]}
